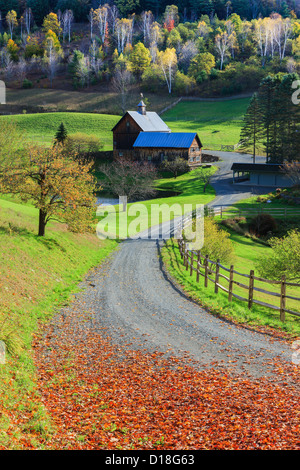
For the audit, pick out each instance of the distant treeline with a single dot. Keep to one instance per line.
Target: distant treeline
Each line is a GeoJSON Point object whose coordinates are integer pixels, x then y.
{"type": "Point", "coordinates": [189, 10]}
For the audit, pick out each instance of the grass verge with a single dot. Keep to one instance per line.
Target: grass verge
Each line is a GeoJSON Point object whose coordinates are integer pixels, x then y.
{"type": "Point", "coordinates": [37, 276]}
{"type": "Point", "coordinates": [246, 251]}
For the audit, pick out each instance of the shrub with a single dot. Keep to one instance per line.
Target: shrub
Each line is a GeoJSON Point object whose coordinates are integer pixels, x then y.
{"type": "Point", "coordinates": [235, 223]}
{"type": "Point", "coordinates": [27, 84]}
{"type": "Point", "coordinates": [262, 224]}
{"type": "Point", "coordinates": [217, 244]}
{"type": "Point", "coordinates": [284, 258]}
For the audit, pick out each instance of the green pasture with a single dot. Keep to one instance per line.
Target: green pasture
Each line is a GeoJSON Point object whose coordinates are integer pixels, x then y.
{"type": "Point", "coordinates": [42, 127]}
{"type": "Point", "coordinates": [216, 122]}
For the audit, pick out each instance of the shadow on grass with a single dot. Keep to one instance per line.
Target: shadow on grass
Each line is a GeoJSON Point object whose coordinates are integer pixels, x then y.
{"type": "Point", "coordinates": [12, 229]}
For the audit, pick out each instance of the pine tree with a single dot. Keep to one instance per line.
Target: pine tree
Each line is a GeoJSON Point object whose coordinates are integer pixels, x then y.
{"type": "Point", "coordinates": [251, 133]}
{"type": "Point", "coordinates": [266, 97]}
{"type": "Point", "coordinates": [289, 120]}
{"type": "Point", "coordinates": [61, 134]}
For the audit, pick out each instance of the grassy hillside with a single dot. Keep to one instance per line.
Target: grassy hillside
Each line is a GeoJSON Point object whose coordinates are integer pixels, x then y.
{"type": "Point", "coordinates": [217, 122]}
{"type": "Point", "coordinates": [37, 276]}
{"type": "Point", "coordinates": [42, 127]}
{"type": "Point", "coordinates": [94, 100]}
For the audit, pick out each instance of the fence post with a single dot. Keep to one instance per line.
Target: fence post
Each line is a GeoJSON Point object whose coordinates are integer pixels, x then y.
{"type": "Point", "coordinates": [282, 299]}
{"type": "Point", "coordinates": [206, 270]}
{"type": "Point", "coordinates": [184, 254]}
{"type": "Point", "coordinates": [251, 282]}
{"type": "Point", "coordinates": [192, 261]}
{"type": "Point", "coordinates": [217, 276]}
{"type": "Point", "coordinates": [230, 284]}
{"type": "Point", "coordinates": [187, 258]}
{"type": "Point", "coordinates": [198, 267]}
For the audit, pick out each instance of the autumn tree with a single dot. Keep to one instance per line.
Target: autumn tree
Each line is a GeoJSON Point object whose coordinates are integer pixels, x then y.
{"type": "Point", "coordinates": [222, 43]}
{"type": "Point", "coordinates": [167, 61]}
{"type": "Point", "coordinates": [132, 179]}
{"type": "Point", "coordinates": [51, 23]}
{"type": "Point", "coordinates": [101, 17]}
{"type": "Point", "coordinates": [60, 187]}
{"type": "Point", "coordinates": [139, 59]}
{"type": "Point", "coordinates": [11, 20]}
{"type": "Point", "coordinates": [201, 64]}
{"type": "Point", "coordinates": [121, 82]}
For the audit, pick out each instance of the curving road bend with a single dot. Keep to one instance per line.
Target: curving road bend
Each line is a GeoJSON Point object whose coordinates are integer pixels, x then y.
{"type": "Point", "coordinates": [132, 298]}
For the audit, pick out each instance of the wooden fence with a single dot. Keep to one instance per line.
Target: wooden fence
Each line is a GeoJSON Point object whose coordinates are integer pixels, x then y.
{"type": "Point", "coordinates": [204, 267]}
{"type": "Point", "coordinates": [277, 212]}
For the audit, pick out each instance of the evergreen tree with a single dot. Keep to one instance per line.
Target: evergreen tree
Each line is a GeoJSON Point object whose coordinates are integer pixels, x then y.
{"type": "Point", "coordinates": [40, 9]}
{"type": "Point", "coordinates": [266, 96]}
{"type": "Point", "coordinates": [289, 120]}
{"type": "Point", "coordinates": [61, 134]}
{"type": "Point", "coordinates": [251, 133]}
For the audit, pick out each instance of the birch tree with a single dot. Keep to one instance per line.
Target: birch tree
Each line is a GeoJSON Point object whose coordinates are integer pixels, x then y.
{"type": "Point", "coordinates": [146, 21]}
{"type": "Point", "coordinates": [222, 43]}
{"type": "Point", "coordinates": [167, 61]}
{"type": "Point", "coordinates": [123, 30]}
{"type": "Point", "coordinates": [12, 22]}
{"type": "Point", "coordinates": [91, 19]}
{"type": "Point", "coordinates": [101, 19]}
{"type": "Point", "coordinates": [28, 20]}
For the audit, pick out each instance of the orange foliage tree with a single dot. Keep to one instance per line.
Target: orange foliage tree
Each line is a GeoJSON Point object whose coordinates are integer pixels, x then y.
{"type": "Point", "coordinates": [60, 186]}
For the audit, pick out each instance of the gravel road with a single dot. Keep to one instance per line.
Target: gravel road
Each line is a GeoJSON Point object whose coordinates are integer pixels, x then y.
{"type": "Point", "coordinates": [133, 300]}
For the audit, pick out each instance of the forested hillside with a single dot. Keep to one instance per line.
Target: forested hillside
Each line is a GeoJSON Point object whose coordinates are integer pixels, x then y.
{"type": "Point", "coordinates": [202, 48]}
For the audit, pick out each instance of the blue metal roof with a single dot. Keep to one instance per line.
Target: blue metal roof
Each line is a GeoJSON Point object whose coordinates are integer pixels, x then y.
{"type": "Point", "coordinates": [165, 139]}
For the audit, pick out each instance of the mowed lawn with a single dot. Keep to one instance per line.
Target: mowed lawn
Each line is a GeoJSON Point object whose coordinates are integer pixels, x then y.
{"type": "Point", "coordinates": [42, 127]}
{"type": "Point", "coordinates": [217, 122]}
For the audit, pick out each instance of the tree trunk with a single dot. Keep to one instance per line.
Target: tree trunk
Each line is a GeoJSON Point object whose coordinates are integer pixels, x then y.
{"type": "Point", "coordinates": [42, 223]}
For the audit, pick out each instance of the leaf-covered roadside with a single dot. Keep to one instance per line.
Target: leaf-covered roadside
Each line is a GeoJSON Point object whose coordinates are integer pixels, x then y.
{"type": "Point", "coordinates": [102, 397]}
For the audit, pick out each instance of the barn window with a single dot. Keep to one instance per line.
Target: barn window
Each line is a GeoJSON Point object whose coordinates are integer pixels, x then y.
{"type": "Point", "coordinates": [197, 159]}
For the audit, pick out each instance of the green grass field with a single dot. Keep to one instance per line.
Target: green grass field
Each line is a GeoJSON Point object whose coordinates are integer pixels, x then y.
{"type": "Point", "coordinates": [42, 127]}
{"type": "Point", "coordinates": [217, 123]}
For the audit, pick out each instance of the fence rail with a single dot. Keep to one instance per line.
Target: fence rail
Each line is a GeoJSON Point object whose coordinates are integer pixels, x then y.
{"type": "Point", "coordinates": [194, 261]}
{"type": "Point", "coordinates": [227, 211]}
